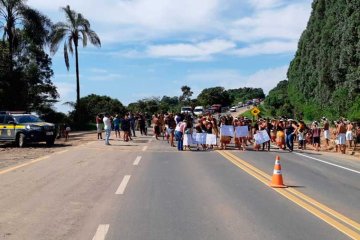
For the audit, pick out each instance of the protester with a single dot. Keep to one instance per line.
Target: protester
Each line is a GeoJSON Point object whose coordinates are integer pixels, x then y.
{"type": "Point", "coordinates": [107, 127]}
{"type": "Point", "coordinates": [99, 126]}
{"type": "Point", "coordinates": [349, 133]}
{"type": "Point", "coordinates": [316, 132]}
{"type": "Point", "coordinates": [116, 122]}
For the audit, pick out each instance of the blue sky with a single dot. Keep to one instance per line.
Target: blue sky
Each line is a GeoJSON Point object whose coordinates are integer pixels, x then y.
{"type": "Point", "coordinates": [153, 47]}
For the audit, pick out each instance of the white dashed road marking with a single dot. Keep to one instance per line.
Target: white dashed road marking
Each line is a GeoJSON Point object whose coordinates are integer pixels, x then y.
{"type": "Point", "coordinates": [137, 161]}
{"type": "Point", "coordinates": [101, 232]}
{"type": "Point", "coordinates": [123, 184]}
{"type": "Point", "coordinates": [332, 164]}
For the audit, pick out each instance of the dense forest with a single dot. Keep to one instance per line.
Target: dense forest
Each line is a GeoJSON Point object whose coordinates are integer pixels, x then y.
{"type": "Point", "coordinates": [324, 76]}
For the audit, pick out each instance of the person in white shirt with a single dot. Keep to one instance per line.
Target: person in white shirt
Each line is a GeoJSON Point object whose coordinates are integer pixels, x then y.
{"type": "Point", "coordinates": [107, 127]}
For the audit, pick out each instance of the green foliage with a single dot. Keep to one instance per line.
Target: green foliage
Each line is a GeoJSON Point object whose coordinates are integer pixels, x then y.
{"type": "Point", "coordinates": [245, 94]}
{"type": "Point", "coordinates": [92, 105]}
{"type": "Point", "coordinates": [277, 102]}
{"type": "Point", "coordinates": [324, 77]}
{"type": "Point", "coordinates": [215, 95]}
{"type": "Point", "coordinates": [75, 29]}
{"type": "Point", "coordinates": [186, 94]}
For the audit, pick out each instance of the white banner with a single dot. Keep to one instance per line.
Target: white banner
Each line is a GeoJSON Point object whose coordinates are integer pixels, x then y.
{"type": "Point", "coordinates": [201, 138]}
{"type": "Point", "coordinates": [188, 140]}
{"type": "Point", "coordinates": [242, 131]}
{"type": "Point", "coordinates": [261, 137]}
{"type": "Point", "coordinates": [227, 130]}
{"type": "Point", "coordinates": [211, 139]}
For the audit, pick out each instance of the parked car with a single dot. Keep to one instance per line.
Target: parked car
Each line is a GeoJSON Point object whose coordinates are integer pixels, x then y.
{"type": "Point", "coordinates": [22, 128]}
{"type": "Point", "coordinates": [186, 109]}
{"type": "Point", "coordinates": [198, 110]}
{"type": "Point", "coordinates": [240, 104]}
{"type": "Point", "coordinates": [233, 109]}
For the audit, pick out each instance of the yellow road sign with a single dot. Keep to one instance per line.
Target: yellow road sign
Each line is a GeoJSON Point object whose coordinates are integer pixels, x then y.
{"type": "Point", "coordinates": [255, 111]}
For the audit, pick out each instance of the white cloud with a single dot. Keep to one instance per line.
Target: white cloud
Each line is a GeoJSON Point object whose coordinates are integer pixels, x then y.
{"type": "Point", "coordinates": [105, 77]}
{"type": "Point", "coordinates": [286, 23]}
{"type": "Point", "coordinates": [271, 47]}
{"type": "Point", "coordinates": [230, 79]}
{"type": "Point", "coordinates": [138, 19]}
{"type": "Point", "coordinates": [202, 50]}
{"type": "Point", "coordinates": [66, 90]}
{"type": "Point", "coordinates": [262, 4]}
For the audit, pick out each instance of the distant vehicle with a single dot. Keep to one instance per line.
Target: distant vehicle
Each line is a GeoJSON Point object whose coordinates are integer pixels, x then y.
{"type": "Point", "coordinates": [225, 109]}
{"type": "Point", "coordinates": [186, 109]}
{"type": "Point", "coordinates": [216, 108]}
{"type": "Point", "coordinates": [233, 109]}
{"type": "Point", "coordinates": [256, 101]}
{"type": "Point", "coordinates": [199, 110]}
{"type": "Point", "coordinates": [22, 128]}
{"type": "Point", "coordinates": [240, 104]}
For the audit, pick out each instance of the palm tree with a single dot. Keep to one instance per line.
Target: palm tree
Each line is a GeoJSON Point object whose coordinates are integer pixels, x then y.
{"type": "Point", "coordinates": [15, 15]}
{"type": "Point", "coordinates": [75, 29]}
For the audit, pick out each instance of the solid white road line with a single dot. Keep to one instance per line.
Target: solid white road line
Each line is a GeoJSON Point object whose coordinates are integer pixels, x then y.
{"type": "Point", "coordinates": [101, 232]}
{"type": "Point", "coordinates": [145, 148]}
{"type": "Point", "coordinates": [332, 164]}
{"type": "Point", "coordinates": [123, 184]}
{"type": "Point", "coordinates": [137, 161]}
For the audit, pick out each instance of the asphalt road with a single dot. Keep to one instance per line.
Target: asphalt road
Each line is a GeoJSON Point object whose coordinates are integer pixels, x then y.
{"type": "Point", "coordinates": [146, 190]}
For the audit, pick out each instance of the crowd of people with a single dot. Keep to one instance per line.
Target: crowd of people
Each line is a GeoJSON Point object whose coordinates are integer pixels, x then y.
{"type": "Point", "coordinates": [207, 132]}
{"type": "Point", "coordinates": [282, 132]}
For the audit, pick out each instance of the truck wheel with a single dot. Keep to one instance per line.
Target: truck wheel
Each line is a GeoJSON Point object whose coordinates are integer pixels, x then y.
{"type": "Point", "coordinates": [20, 142]}
{"type": "Point", "coordinates": [50, 142]}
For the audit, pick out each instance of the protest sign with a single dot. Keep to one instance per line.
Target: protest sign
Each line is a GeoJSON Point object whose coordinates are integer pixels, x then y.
{"type": "Point", "coordinates": [211, 139]}
{"type": "Point", "coordinates": [227, 130]}
{"type": "Point", "coordinates": [242, 131]}
{"type": "Point", "coordinates": [261, 137]}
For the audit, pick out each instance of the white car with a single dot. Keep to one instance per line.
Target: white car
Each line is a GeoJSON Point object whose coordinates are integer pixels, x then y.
{"type": "Point", "coordinates": [187, 110]}
{"type": "Point", "coordinates": [233, 109]}
{"type": "Point", "coordinates": [199, 110]}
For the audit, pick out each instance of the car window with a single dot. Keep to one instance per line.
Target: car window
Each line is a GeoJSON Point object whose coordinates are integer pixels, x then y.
{"type": "Point", "coordinates": [2, 118]}
{"type": "Point", "coordinates": [9, 119]}
{"type": "Point", "coordinates": [27, 119]}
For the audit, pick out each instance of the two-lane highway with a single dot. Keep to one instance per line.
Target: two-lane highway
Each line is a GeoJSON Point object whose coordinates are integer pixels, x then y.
{"type": "Point", "coordinates": [148, 190]}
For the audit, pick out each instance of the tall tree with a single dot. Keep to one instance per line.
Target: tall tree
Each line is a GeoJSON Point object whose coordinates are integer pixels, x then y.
{"type": "Point", "coordinates": [25, 68]}
{"type": "Point", "coordinates": [324, 76]}
{"type": "Point", "coordinates": [215, 95]}
{"type": "Point", "coordinates": [75, 29]}
{"type": "Point", "coordinates": [186, 94]}
{"type": "Point", "coordinates": [15, 15]}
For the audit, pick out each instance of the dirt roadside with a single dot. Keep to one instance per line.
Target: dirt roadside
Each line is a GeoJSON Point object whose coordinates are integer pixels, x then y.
{"type": "Point", "coordinates": [11, 155]}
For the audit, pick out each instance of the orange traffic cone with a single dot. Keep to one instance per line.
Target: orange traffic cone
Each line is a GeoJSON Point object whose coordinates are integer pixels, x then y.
{"type": "Point", "coordinates": [277, 180]}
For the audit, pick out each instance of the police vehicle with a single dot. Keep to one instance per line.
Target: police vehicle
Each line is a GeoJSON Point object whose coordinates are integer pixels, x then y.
{"type": "Point", "coordinates": [22, 128]}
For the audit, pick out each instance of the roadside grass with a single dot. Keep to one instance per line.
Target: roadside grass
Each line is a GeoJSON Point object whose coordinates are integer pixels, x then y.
{"type": "Point", "coordinates": [263, 112]}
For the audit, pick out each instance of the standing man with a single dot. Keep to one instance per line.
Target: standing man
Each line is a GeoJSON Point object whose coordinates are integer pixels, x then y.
{"type": "Point", "coordinates": [341, 133]}
{"type": "Point", "coordinates": [326, 131]}
{"type": "Point", "coordinates": [99, 126]}
{"type": "Point", "coordinates": [107, 127]}
{"type": "Point", "coordinates": [132, 124]}
{"type": "Point", "coordinates": [116, 122]}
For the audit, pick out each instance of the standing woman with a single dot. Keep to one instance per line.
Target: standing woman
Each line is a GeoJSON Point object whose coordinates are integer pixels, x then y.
{"type": "Point", "coordinates": [280, 135]}
{"type": "Point", "coordinates": [99, 126]}
{"type": "Point", "coordinates": [316, 135]}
